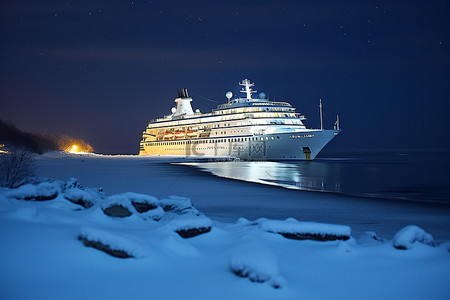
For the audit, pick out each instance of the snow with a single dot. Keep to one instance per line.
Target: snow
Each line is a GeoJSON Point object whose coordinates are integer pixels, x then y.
{"type": "Point", "coordinates": [42, 257]}
{"type": "Point", "coordinates": [141, 198]}
{"type": "Point", "coordinates": [115, 241]}
{"type": "Point", "coordinates": [258, 264]}
{"type": "Point", "coordinates": [35, 192]}
{"type": "Point", "coordinates": [410, 235]}
{"type": "Point", "coordinates": [293, 226]}
{"type": "Point", "coordinates": [189, 221]}
{"type": "Point", "coordinates": [120, 200]}
{"type": "Point", "coordinates": [153, 214]}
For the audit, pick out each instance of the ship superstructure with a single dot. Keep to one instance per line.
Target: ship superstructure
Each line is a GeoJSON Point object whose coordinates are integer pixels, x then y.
{"type": "Point", "coordinates": [245, 127]}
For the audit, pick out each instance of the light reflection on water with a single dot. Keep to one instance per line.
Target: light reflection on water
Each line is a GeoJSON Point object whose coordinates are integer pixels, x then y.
{"type": "Point", "coordinates": [414, 176]}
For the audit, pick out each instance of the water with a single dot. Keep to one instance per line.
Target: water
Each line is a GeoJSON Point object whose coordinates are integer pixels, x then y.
{"type": "Point", "coordinates": [418, 176]}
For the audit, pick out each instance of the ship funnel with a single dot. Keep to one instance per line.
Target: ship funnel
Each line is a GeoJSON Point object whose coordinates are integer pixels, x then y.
{"type": "Point", "coordinates": [183, 103]}
{"type": "Point", "coordinates": [183, 93]}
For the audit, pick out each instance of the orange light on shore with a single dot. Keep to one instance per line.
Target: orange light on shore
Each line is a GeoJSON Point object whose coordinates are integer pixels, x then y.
{"type": "Point", "coordinates": [1, 149]}
{"type": "Point", "coordinates": [75, 146]}
{"type": "Point", "coordinates": [75, 149]}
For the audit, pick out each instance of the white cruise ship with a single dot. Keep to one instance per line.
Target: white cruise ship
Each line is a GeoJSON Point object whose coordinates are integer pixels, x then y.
{"type": "Point", "coordinates": [245, 127]}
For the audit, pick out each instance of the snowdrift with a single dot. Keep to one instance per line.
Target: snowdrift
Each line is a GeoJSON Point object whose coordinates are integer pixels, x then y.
{"type": "Point", "coordinates": [140, 243]}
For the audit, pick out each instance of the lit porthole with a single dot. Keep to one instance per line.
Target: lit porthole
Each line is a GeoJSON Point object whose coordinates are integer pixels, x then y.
{"type": "Point", "coordinates": [267, 138]}
{"type": "Point", "coordinates": [272, 138]}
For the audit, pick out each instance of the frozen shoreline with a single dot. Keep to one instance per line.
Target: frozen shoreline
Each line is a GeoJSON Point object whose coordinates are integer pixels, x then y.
{"type": "Point", "coordinates": [55, 245]}
{"type": "Point", "coordinates": [226, 200]}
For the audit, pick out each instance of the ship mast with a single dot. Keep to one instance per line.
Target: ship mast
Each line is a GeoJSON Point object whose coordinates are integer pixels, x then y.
{"type": "Point", "coordinates": [248, 88]}
{"type": "Point", "coordinates": [321, 114]}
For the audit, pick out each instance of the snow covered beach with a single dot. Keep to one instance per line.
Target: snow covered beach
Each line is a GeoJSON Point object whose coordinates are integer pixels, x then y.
{"type": "Point", "coordinates": [227, 200]}
{"type": "Point", "coordinates": [42, 256]}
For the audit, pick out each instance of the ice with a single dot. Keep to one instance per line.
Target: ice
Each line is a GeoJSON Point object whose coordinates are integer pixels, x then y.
{"type": "Point", "coordinates": [409, 236]}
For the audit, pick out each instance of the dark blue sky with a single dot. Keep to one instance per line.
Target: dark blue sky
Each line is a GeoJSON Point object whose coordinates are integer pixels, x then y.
{"type": "Point", "coordinates": [100, 70]}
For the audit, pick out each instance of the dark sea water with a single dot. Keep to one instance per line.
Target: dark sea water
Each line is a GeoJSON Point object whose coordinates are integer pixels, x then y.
{"type": "Point", "coordinates": [417, 176]}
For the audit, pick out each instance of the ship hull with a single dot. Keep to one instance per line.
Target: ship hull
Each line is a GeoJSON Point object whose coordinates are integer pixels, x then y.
{"type": "Point", "coordinates": [303, 145]}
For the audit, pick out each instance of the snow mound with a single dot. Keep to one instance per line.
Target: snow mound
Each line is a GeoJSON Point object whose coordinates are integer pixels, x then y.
{"type": "Point", "coordinates": [41, 192]}
{"type": "Point", "coordinates": [141, 202]}
{"type": "Point", "coordinates": [258, 265]}
{"type": "Point", "coordinates": [293, 229]}
{"type": "Point", "coordinates": [112, 244]}
{"type": "Point", "coordinates": [118, 205]}
{"type": "Point", "coordinates": [125, 204]}
{"type": "Point", "coordinates": [80, 197]}
{"type": "Point", "coordinates": [190, 225]}
{"type": "Point", "coordinates": [408, 236]}
{"type": "Point", "coordinates": [72, 183]}
{"type": "Point", "coordinates": [75, 193]}
{"type": "Point", "coordinates": [369, 238]}
{"type": "Point", "coordinates": [178, 205]}
{"type": "Point", "coordinates": [153, 214]}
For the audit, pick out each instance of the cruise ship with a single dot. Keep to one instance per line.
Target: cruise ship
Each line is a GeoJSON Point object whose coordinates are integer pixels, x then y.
{"type": "Point", "coordinates": [245, 128]}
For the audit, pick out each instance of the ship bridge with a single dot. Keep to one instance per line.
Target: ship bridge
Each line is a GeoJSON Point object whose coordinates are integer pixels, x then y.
{"type": "Point", "coordinates": [248, 101]}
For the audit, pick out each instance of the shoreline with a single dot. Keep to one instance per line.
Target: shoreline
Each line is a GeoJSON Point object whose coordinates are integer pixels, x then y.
{"type": "Point", "coordinates": [226, 199]}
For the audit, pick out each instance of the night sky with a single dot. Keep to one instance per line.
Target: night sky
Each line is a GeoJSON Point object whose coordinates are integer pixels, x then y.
{"type": "Point", "coordinates": [100, 70]}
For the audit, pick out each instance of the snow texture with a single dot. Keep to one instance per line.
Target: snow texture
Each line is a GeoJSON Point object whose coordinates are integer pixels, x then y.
{"type": "Point", "coordinates": [369, 238]}
{"type": "Point", "coordinates": [42, 191]}
{"type": "Point", "coordinates": [72, 183]}
{"type": "Point", "coordinates": [294, 229]}
{"type": "Point", "coordinates": [179, 205]}
{"type": "Point", "coordinates": [118, 199]}
{"type": "Point", "coordinates": [35, 235]}
{"type": "Point", "coordinates": [259, 265]}
{"type": "Point", "coordinates": [113, 242]}
{"type": "Point", "coordinates": [155, 214]}
{"type": "Point", "coordinates": [81, 197]}
{"type": "Point", "coordinates": [409, 236]}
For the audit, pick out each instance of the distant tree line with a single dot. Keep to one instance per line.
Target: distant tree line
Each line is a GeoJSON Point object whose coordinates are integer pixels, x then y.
{"type": "Point", "coordinates": [40, 143]}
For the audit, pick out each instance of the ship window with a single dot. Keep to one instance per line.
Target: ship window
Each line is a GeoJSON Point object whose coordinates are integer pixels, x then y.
{"type": "Point", "coordinates": [272, 138]}
{"type": "Point", "coordinates": [278, 137]}
{"type": "Point", "coordinates": [267, 138]}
